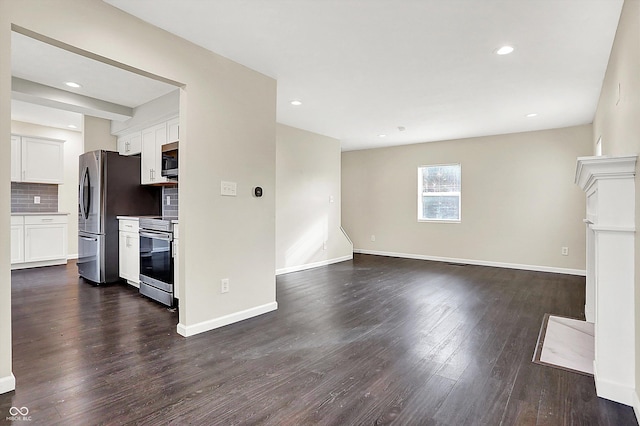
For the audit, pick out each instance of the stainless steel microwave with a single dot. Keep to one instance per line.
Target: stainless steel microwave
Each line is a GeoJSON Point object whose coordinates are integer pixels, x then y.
{"type": "Point", "coordinates": [170, 160]}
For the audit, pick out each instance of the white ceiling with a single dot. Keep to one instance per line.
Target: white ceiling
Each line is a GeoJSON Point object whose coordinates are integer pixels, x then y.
{"type": "Point", "coordinates": [51, 66]}
{"type": "Point", "coordinates": [365, 67]}
{"type": "Point", "coordinates": [46, 116]}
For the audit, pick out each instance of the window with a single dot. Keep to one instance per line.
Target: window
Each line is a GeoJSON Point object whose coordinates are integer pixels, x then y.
{"type": "Point", "coordinates": [439, 193]}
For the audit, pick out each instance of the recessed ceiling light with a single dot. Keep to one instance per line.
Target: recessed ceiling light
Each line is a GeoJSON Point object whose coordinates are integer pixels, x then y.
{"type": "Point", "coordinates": [73, 84]}
{"type": "Point", "coordinates": [504, 50]}
{"type": "Point", "coordinates": [72, 126]}
{"type": "Point", "coordinates": [382, 135]}
{"type": "Point", "coordinates": [296, 102]}
{"type": "Point", "coordinates": [531, 115]}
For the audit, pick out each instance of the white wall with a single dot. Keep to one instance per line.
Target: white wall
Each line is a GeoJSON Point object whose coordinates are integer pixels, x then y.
{"type": "Point", "coordinates": [7, 381]}
{"type": "Point", "coordinates": [519, 202]}
{"type": "Point", "coordinates": [97, 135]}
{"type": "Point", "coordinates": [67, 192]}
{"type": "Point", "coordinates": [227, 122]}
{"type": "Point", "coordinates": [308, 200]}
{"type": "Point", "coordinates": [617, 122]}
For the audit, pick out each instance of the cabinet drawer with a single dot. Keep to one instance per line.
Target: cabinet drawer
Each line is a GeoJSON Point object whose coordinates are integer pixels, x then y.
{"type": "Point", "coordinates": [17, 220]}
{"type": "Point", "coordinates": [128, 225]}
{"type": "Point", "coordinates": [45, 219]}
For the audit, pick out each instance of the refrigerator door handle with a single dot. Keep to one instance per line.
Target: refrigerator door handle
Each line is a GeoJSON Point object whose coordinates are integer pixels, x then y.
{"type": "Point", "coordinates": [85, 198]}
{"type": "Point", "coordinates": [89, 239]}
{"type": "Point", "coordinates": [81, 195]}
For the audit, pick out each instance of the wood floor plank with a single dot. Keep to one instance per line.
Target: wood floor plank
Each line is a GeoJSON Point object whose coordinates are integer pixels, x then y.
{"type": "Point", "coordinates": [375, 340]}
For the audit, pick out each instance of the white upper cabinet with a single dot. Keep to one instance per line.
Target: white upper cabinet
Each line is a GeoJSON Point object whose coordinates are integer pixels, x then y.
{"type": "Point", "coordinates": [152, 140]}
{"type": "Point", "coordinates": [130, 144]}
{"type": "Point", "coordinates": [37, 160]}
{"type": "Point", "coordinates": [149, 143]}
{"type": "Point", "coordinates": [173, 130]}
{"type": "Point", "coordinates": [16, 156]}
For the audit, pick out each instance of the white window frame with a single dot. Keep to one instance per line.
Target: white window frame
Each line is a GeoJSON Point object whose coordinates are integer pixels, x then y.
{"type": "Point", "coordinates": [421, 194]}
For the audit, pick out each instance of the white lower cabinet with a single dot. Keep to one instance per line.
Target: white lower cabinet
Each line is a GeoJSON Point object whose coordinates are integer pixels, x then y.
{"type": "Point", "coordinates": [176, 267]}
{"type": "Point", "coordinates": [17, 239]}
{"type": "Point", "coordinates": [43, 243]}
{"type": "Point", "coordinates": [129, 251]}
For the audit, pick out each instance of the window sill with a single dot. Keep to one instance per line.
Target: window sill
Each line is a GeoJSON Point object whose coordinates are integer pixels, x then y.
{"type": "Point", "coordinates": [439, 221]}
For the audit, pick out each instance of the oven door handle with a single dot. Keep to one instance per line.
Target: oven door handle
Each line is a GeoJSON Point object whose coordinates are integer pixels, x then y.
{"type": "Point", "coordinates": [156, 235]}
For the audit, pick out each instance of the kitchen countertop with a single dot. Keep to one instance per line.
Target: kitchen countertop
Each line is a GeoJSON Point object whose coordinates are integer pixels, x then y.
{"type": "Point", "coordinates": [38, 213]}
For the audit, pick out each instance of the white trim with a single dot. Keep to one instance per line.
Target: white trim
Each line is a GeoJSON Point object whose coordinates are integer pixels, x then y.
{"type": "Point", "coordinates": [613, 391]}
{"type": "Point", "coordinates": [590, 169]}
{"type": "Point", "coordinates": [346, 236]}
{"type": "Point", "coordinates": [636, 405]}
{"type": "Point", "coordinates": [201, 327]}
{"type": "Point", "coordinates": [7, 384]}
{"type": "Point", "coordinates": [313, 265]}
{"type": "Point", "coordinates": [72, 256]}
{"type": "Point", "coordinates": [38, 264]}
{"type": "Point", "coordinates": [600, 228]}
{"type": "Point", "coordinates": [580, 272]}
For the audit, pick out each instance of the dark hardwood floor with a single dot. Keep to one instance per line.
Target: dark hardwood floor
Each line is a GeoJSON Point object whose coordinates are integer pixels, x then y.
{"type": "Point", "coordinates": [373, 341]}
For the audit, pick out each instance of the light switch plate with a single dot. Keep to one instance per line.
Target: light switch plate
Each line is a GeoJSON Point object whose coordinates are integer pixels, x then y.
{"type": "Point", "coordinates": [228, 188]}
{"type": "Point", "coordinates": [36, 200]}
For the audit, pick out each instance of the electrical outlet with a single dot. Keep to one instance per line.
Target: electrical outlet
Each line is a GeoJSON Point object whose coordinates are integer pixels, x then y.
{"type": "Point", "coordinates": [565, 251]}
{"type": "Point", "coordinates": [36, 200]}
{"type": "Point", "coordinates": [224, 285]}
{"type": "Point", "coordinates": [373, 238]}
{"type": "Point", "coordinates": [168, 200]}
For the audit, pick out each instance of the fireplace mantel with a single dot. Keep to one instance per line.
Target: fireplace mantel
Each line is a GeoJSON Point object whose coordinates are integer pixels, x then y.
{"type": "Point", "coordinates": [609, 183]}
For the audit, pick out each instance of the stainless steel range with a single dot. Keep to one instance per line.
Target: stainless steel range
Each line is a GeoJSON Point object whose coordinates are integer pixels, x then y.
{"type": "Point", "coordinates": [156, 259]}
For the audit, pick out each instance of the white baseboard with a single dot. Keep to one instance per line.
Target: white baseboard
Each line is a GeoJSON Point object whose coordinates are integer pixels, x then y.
{"type": "Point", "coordinates": [313, 265]}
{"type": "Point", "coordinates": [72, 256]}
{"type": "Point", "coordinates": [190, 330]}
{"type": "Point", "coordinates": [15, 266]}
{"type": "Point", "coordinates": [589, 314]}
{"type": "Point", "coordinates": [636, 405]}
{"type": "Point", "coordinates": [7, 384]}
{"type": "Point", "coordinates": [613, 391]}
{"type": "Point", "coordinates": [580, 272]}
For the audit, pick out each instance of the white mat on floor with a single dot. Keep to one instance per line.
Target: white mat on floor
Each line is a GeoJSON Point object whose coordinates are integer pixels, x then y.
{"type": "Point", "coordinates": [568, 343]}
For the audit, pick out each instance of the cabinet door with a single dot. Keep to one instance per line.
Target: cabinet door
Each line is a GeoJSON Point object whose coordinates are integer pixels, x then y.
{"type": "Point", "coordinates": [152, 140]}
{"type": "Point", "coordinates": [42, 160]}
{"type": "Point", "coordinates": [173, 130]}
{"type": "Point", "coordinates": [130, 144]}
{"type": "Point", "coordinates": [45, 242]}
{"type": "Point", "coordinates": [135, 143]}
{"type": "Point", "coordinates": [176, 271]}
{"type": "Point", "coordinates": [16, 162]}
{"type": "Point", "coordinates": [17, 243]}
{"type": "Point", "coordinates": [123, 144]}
{"type": "Point", "coordinates": [129, 256]}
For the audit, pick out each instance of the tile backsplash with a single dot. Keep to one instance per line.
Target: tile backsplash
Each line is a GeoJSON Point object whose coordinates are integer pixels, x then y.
{"type": "Point", "coordinates": [22, 197]}
{"type": "Point", "coordinates": [170, 209]}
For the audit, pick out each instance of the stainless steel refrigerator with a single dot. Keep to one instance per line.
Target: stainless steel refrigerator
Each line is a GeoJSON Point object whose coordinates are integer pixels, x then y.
{"type": "Point", "coordinates": [109, 186]}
